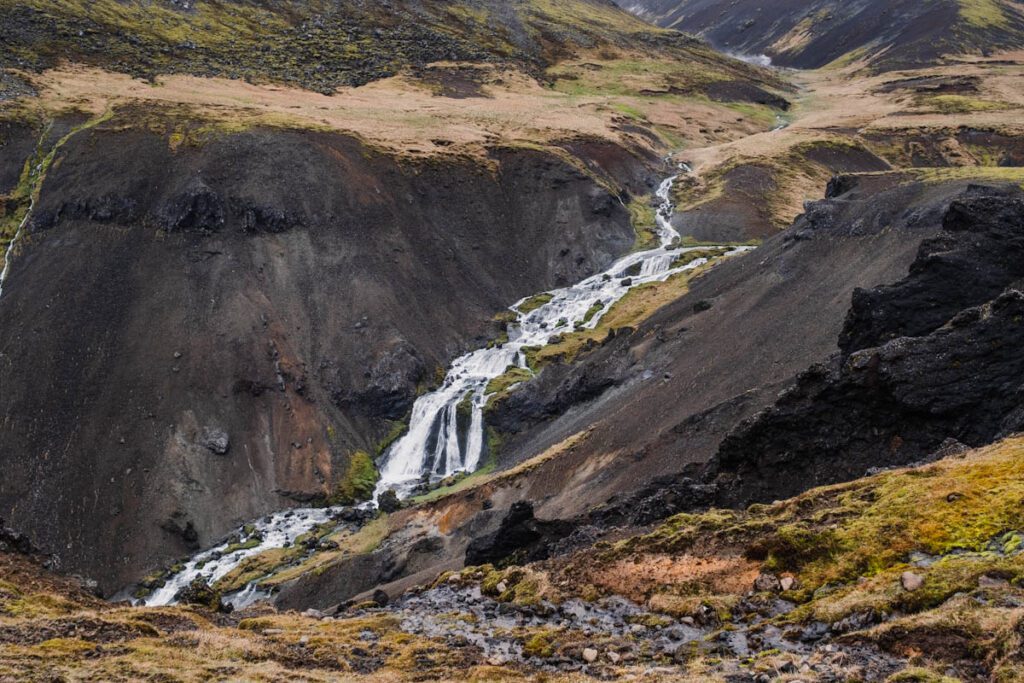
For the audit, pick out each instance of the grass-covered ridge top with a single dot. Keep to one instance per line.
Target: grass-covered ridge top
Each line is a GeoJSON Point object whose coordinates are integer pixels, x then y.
{"type": "Point", "coordinates": [319, 45]}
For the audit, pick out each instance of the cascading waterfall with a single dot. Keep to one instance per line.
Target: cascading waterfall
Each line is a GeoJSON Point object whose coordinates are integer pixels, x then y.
{"type": "Point", "coordinates": [442, 440]}
{"type": "Point", "coordinates": [437, 445]}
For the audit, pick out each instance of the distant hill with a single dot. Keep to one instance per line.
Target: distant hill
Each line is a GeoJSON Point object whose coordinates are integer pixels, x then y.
{"type": "Point", "coordinates": [319, 44]}
{"type": "Point", "coordinates": [890, 34]}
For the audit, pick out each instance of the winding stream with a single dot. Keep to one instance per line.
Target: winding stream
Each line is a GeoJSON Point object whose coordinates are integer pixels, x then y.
{"type": "Point", "coordinates": [446, 432]}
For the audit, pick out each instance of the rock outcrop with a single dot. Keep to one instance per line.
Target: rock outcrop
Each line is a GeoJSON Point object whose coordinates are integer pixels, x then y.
{"type": "Point", "coordinates": [932, 358]}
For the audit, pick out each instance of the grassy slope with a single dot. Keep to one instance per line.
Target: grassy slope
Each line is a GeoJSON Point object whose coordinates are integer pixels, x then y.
{"type": "Point", "coordinates": [319, 45]}
{"type": "Point", "coordinates": [958, 523]}
{"type": "Point", "coordinates": [846, 547]}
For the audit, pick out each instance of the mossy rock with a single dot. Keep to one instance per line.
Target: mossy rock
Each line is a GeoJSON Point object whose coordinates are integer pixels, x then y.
{"type": "Point", "coordinates": [359, 481]}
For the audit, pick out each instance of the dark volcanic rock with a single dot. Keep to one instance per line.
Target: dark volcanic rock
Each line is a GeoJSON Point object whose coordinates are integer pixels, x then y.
{"type": "Point", "coordinates": [389, 502]}
{"type": "Point", "coordinates": [951, 368]}
{"type": "Point", "coordinates": [14, 541]}
{"type": "Point", "coordinates": [520, 538]}
{"type": "Point", "coordinates": [391, 380]}
{"type": "Point", "coordinates": [196, 208]}
{"type": "Point", "coordinates": [979, 253]}
{"type": "Point", "coordinates": [660, 498]}
{"type": "Point", "coordinates": [215, 440]}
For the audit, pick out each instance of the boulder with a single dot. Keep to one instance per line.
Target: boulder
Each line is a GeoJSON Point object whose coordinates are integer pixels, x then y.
{"type": "Point", "coordinates": [911, 581]}
{"type": "Point", "coordinates": [200, 593]}
{"type": "Point", "coordinates": [389, 502]}
{"type": "Point", "coordinates": [767, 583]}
{"type": "Point", "coordinates": [215, 440]}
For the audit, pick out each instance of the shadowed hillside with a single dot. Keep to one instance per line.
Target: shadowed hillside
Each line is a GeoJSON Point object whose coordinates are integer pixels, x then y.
{"type": "Point", "coordinates": [887, 34]}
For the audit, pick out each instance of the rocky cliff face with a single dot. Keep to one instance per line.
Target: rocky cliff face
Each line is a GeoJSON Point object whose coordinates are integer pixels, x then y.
{"type": "Point", "coordinates": [199, 334]}
{"type": "Point", "coordinates": [931, 359]}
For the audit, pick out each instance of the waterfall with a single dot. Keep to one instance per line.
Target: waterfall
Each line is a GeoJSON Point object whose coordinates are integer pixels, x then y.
{"type": "Point", "coordinates": [435, 418]}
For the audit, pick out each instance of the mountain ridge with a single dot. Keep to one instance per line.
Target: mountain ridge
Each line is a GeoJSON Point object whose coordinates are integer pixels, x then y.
{"type": "Point", "coordinates": [879, 34]}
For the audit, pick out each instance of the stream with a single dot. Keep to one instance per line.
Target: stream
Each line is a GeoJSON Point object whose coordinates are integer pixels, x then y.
{"type": "Point", "coordinates": [447, 434]}
{"type": "Point", "coordinates": [9, 253]}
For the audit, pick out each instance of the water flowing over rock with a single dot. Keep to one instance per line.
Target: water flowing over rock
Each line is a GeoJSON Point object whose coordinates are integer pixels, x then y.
{"type": "Point", "coordinates": [439, 443]}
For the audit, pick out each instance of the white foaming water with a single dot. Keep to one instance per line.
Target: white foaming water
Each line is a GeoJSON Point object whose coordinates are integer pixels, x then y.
{"type": "Point", "coordinates": [438, 442]}
{"type": "Point", "coordinates": [757, 60]}
{"type": "Point", "coordinates": [276, 531]}
{"type": "Point", "coordinates": [13, 243]}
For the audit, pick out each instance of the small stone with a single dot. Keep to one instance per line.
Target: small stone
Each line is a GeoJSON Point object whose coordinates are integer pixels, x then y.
{"type": "Point", "coordinates": [613, 657]}
{"type": "Point", "coordinates": [992, 582]}
{"type": "Point", "coordinates": [911, 581]}
{"type": "Point", "coordinates": [177, 354]}
{"type": "Point", "coordinates": [766, 583]}
{"type": "Point", "coordinates": [313, 614]}
{"type": "Point", "coordinates": [304, 640]}
{"type": "Point", "coordinates": [381, 598]}
{"type": "Point", "coordinates": [787, 583]}
{"type": "Point", "coordinates": [589, 655]}
{"type": "Point", "coordinates": [215, 440]}
{"type": "Point", "coordinates": [689, 621]}
{"type": "Point", "coordinates": [496, 660]}
{"type": "Point", "coordinates": [501, 587]}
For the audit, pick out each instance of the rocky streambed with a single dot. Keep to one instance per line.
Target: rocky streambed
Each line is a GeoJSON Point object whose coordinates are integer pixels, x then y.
{"type": "Point", "coordinates": [498, 624]}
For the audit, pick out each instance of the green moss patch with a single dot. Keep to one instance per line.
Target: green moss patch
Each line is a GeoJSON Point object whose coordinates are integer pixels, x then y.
{"type": "Point", "coordinates": [359, 481]}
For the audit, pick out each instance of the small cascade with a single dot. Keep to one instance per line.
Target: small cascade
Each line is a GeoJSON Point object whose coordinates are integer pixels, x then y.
{"type": "Point", "coordinates": [280, 530]}
{"type": "Point", "coordinates": [13, 243]}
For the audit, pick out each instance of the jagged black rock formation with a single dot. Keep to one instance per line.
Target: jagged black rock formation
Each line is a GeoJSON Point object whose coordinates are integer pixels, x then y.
{"type": "Point", "coordinates": [660, 498]}
{"type": "Point", "coordinates": [521, 537]}
{"type": "Point", "coordinates": [980, 251]}
{"type": "Point", "coordinates": [933, 357]}
{"type": "Point", "coordinates": [15, 541]}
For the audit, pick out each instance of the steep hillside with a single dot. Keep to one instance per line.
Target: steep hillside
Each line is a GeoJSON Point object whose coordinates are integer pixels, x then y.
{"type": "Point", "coordinates": [691, 404]}
{"type": "Point", "coordinates": [319, 45]}
{"type": "Point", "coordinates": [886, 35]}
